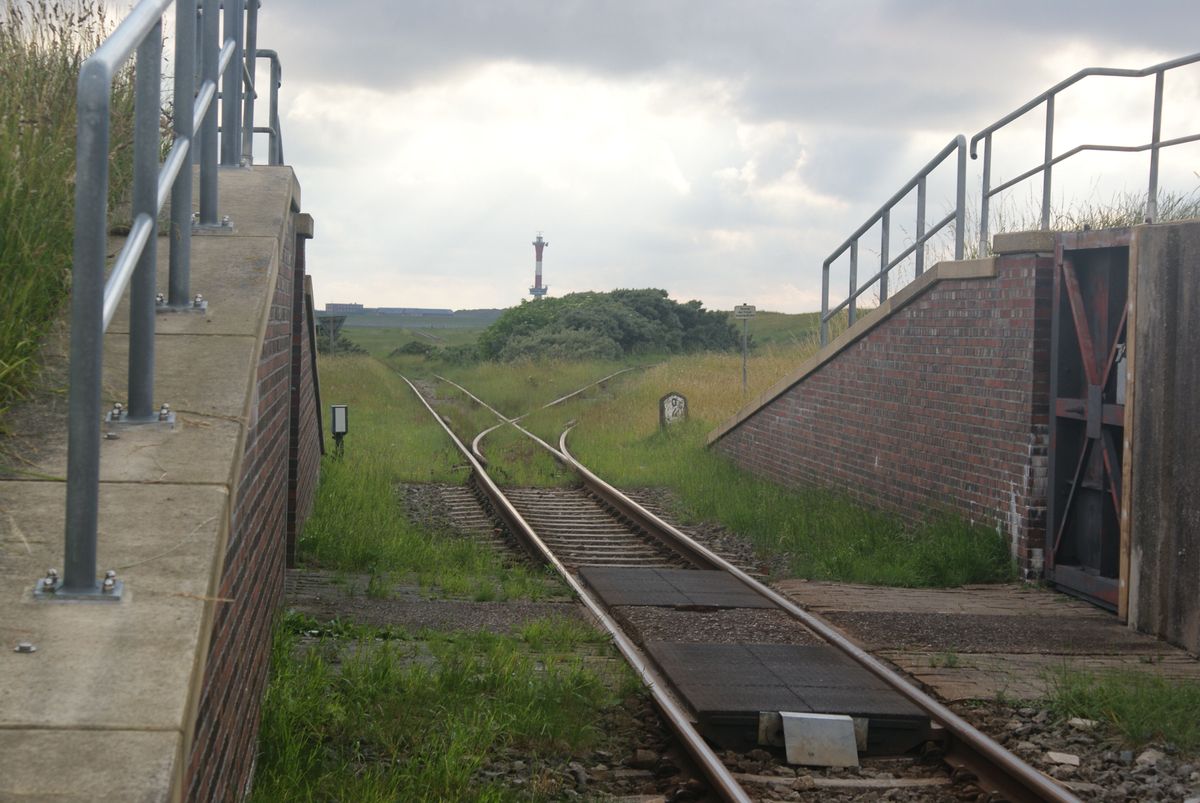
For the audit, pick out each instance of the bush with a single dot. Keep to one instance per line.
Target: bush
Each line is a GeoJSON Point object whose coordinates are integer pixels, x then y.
{"type": "Point", "coordinates": [606, 326]}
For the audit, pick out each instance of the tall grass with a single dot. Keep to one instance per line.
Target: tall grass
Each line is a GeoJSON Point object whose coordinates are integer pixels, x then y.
{"type": "Point", "coordinates": [374, 724]}
{"type": "Point", "coordinates": [359, 523]}
{"type": "Point", "coordinates": [42, 45]}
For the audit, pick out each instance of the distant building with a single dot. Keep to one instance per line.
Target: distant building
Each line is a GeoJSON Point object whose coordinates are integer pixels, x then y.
{"type": "Point", "coordinates": [411, 311]}
{"type": "Point", "coordinates": [344, 309]}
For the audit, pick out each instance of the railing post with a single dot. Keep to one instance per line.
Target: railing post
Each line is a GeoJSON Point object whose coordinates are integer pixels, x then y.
{"type": "Point", "coordinates": [148, 77]}
{"type": "Point", "coordinates": [251, 62]}
{"type": "Point", "coordinates": [276, 133]}
{"type": "Point", "coordinates": [920, 255]}
{"type": "Point", "coordinates": [231, 107]}
{"type": "Point", "coordinates": [87, 298]}
{"type": "Point", "coordinates": [985, 198]}
{"type": "Point", "coordinates": [852, 310]}
{"type": "Point", "coordinates": [960, 200]}
{"type": "Point", "coordinates": [1049, 155]}
{"type": "Point", "coordinates": [885, 224]}
{"type": "Point", "coordinates": [210, 61]}
{"type": "Point", "coordinates": [1155, 138]}
{"type": "Point", "coordinates": [179, 280]}
{"type": "Point", "coordinates": [824, 303]}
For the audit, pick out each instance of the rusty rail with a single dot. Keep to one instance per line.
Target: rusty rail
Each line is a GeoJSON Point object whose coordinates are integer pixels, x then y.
{"type": "Point", "coordinates": [720, 777]}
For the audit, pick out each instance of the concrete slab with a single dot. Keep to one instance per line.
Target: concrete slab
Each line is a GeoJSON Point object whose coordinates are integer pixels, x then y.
{"type": "Point", "coordinates": [237, 273]}
{"type": "Point", "coordinates": [670, 587]}
{"type": "Point", "coordinates": [101, 709]}
{"type": "Point", "coordinates": [124, 665]}
{"type": "Point", "coordinates": [32, 768]}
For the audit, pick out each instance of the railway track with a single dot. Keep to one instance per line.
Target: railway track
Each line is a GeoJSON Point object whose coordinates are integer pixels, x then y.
{"type": "Point", "coordinates": [601, 541]}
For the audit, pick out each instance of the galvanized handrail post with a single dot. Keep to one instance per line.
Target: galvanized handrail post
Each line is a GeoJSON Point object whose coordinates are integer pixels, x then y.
{"type": "Point", "coordinates": [276, 132]}
{"type": "Point", "coordinates": [885, 226]}
{"type": "Point", "coordinates": [852, 310]}
{"type": "Point", "coordinates": [825, 303]}
{"type": "Point", "coordinates": [251, 94]}
{"type": "Point", "coordinates": [179, 281]}
{"type": "Point", "coordinates": [920, 255]}
{"type": "Point", "coordinates": [87, 293]}
{"type": "Point", "coordinates": [145, 204]}
{"type": "Point", "coordinates": [985, 198]}
{"type": "Point", "coordinates": [1048, 158]}
{"type": "Point", "coordinates": [210, 61]}
{"type": "Point", "coordinates": [960, 200]}
{"type": "Point", "coordinates": [231, 107]}
{"type": "Point", "coordinates": [1155, 139]}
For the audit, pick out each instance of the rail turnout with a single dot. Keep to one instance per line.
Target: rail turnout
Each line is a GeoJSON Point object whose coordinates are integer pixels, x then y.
{"type": "Point", "coordinates": [622, 560]}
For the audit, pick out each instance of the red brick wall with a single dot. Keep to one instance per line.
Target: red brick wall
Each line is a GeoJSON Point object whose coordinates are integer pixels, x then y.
{"type": "Point", "coordinates": [941, 406]}
{"type": "Point", "coordinates": [224, 743]}
{"type": "Point", "coordinates": [304, 457]}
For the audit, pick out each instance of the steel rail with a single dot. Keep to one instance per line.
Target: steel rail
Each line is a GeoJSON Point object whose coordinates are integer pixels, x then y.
{"type": "Point", "coordinates": [720, 776]}
{"type": "Point", "coordinates": [478, 439]}
{"type": "Point", "coordinates": [1012, 776]}
{"type": "Point", "coordinates": [967, 746]}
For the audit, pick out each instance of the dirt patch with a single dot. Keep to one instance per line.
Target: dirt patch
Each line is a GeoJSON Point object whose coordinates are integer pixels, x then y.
{"type": "Point", "coordinates": [326, 596]}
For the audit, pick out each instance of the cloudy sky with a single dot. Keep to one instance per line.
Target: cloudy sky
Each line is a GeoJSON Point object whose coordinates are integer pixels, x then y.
{"type": "Point", "coordinates": [716, 149]}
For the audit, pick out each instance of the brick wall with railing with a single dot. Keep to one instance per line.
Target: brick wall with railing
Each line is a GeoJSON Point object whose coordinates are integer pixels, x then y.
{"type": "Point", "coordinates": [940, 405]}
{"type": "Point", "coordinates": [277, 457]}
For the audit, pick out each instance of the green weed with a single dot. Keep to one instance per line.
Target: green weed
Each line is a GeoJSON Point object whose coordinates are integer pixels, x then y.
{"type": "Point", "coordinates": [374, 724]}
{"type": "Point", "coordinates": [1141, 706]}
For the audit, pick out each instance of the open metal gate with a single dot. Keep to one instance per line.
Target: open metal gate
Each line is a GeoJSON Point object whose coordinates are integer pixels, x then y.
{"type": "Point", "coordinates": [1087, 414]}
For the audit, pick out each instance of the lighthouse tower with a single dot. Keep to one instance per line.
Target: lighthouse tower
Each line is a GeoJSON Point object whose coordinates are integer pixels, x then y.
{"type": "Point", "coordinates": [537, 291]}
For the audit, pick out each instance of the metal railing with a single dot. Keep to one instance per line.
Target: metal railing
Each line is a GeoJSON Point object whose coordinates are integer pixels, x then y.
{"type": "Point", "coordinates": [1155, 144]}
{"type": "Point", "coordinates": [883, 216]}
{"type": "Point", "coordinates": [958, 144]}
{"type": "Point", "coordinates": [93, 300]}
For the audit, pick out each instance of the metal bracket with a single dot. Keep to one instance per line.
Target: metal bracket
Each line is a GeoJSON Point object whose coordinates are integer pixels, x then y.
{"type": "Point", "coordinates": [224, 227]}
{"type": "Point", "coordinates": [199, 304]}
{"type": "Point", "coordinates": [50, 588]}
{"type": "Point", "coordinates": [118, 416]}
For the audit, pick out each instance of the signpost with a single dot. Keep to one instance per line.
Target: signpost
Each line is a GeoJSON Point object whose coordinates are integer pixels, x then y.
{"type": "Point", "coordinates": [744, 312]}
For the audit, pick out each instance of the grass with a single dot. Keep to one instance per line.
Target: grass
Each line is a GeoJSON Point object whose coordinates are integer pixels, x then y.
{"type": "Point", "coordinates": [1142, 707]}
{"type": "Point", "coordinates": [363, 718]}
{"type": "Point", "coordinates": [816, 533]}
{"type": "Point", "coordinates": [42, 45]}
{"type": "Point", "coordinates": [358, 522]}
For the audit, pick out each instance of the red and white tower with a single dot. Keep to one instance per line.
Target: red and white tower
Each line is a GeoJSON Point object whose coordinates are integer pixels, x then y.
{"type": "Point", "coordinates": [537, 291]}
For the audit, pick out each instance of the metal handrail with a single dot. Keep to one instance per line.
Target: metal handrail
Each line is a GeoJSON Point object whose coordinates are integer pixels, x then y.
{"type": "Point", "coordinates": [93, 300]}
{"type": "Point", "coordinates": [1155, 144]}
{"type": "Point", "coordinates": [883, 217]}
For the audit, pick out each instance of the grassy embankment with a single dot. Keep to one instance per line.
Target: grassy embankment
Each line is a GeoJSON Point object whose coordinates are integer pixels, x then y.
{"type": "Point", "coordinates": [41, 48]}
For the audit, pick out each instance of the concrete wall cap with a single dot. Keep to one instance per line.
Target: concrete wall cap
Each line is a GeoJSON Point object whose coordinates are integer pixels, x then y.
{"type": "Point", "coordinates": [1024, 242]}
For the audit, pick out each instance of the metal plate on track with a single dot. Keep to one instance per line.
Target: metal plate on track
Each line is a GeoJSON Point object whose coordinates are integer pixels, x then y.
{"type": "Point", "coordinates": [670, 588]}
{"type": "Point", "coordinates": [723, 681]}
